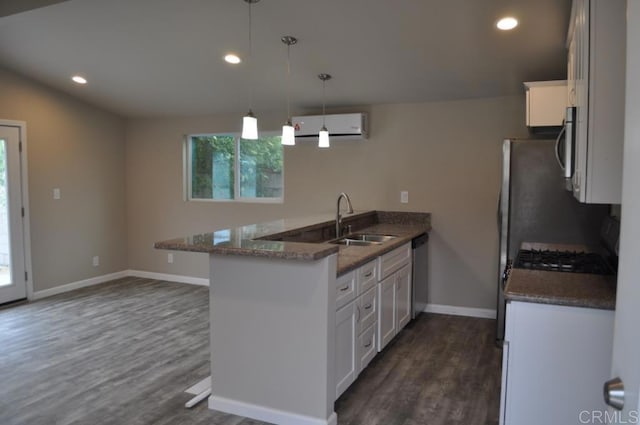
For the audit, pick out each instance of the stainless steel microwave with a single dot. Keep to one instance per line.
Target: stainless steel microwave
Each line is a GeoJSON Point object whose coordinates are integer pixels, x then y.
{"type": "Point", "coordinates": [565, 147]}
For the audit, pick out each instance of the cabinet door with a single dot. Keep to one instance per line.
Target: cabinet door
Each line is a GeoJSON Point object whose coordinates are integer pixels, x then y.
{"type": "Point", "coordinates": [393, 261]}
{"type": "Point", "coordinates": [345, 357]}
{"type": "Point", "coordinates": [367, 309]}
{"type": "Point", "coordinates": [386, 311]}
{"type": "Point", "coordinates": [367, 277]}
{"type": "Point", "coordinates": [599, 33]}
{"type": "Point", "coordinates": [581, 67]}
{"type": "Point", "coordinates": [345, 289]}
{"type": "Point", "coordinates": [403, 297]}
{"type": "Point", "coordinates": [571, 71]}
{"type": "Point", "coordinates": [557, 359]}
{"type": "Point", "coordinates": [366, 347]}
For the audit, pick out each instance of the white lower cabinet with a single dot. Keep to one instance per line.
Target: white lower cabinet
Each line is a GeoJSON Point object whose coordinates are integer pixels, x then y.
{"type": "Point", "coordinates": [370, 312]}
{"type": "Point", "coordinates": [346, 355]}
{"type": "Point", "coordinates": [394, 295]}
{"type": "Point", "coordinates": [366, 348]}
{"type": "Point", "coordinates": [403, 297]}
{"type": "Point", "coordinates": [555, 361]}
{"type": "Point", "coordinates": [356, 324]}
{"type": "Point", "coordinates": [387, 311]}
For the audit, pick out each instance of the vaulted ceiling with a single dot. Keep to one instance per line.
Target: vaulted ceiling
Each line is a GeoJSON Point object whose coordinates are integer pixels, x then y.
{"type": "Point", "coordinates": [164, 57]}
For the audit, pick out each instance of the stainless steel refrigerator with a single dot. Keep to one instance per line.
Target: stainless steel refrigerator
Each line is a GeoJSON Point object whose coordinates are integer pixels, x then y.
{"type": "Point", "coordinates": [535, 206]}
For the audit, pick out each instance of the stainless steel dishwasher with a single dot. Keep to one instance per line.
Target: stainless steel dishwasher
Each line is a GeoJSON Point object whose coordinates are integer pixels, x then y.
{"type": "Point", "coordinates": [419, 292]}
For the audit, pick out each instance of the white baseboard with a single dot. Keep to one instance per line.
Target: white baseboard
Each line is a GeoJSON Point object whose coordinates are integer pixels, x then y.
{"type": "Point", "coordinates": [485, 313]}
{"type": "Point", "coordinates": [117, 275]}
{"type": "Point", "coordinates": [266, 414]}
{"type": "Point", "coordinates": [169, 277]}
{"type": "Point", "coordinates": [79, 284]}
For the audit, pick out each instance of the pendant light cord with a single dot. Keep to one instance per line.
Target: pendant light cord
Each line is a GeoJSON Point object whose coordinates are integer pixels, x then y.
{"type": "Point", "coordinates": [323, 104]}
{"type": "Point", "coordinates": [250, 64]}
{"type": "Point", "coordinates": [289, 82]}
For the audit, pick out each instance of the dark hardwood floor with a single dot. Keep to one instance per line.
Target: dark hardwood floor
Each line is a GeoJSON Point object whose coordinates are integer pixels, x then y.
{"type": "Point", "coordinates": [123, 353]}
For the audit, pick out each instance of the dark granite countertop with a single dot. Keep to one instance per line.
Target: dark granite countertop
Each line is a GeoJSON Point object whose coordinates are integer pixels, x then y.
{"type": "Point", "coordinates": [561, 288]}
{"type": "Point", "coordinates": [279, 239]}
{"type": "Point", "coordinates": [571, 289]}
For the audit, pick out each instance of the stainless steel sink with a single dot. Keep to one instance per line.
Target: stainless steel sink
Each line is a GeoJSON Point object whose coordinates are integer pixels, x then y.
{"type": "Point", "coordinates": [354, 242]}
{"type": "Point", "coordinates": [363, 239]}
{"type": "Point", "coordinates": [370, 237]}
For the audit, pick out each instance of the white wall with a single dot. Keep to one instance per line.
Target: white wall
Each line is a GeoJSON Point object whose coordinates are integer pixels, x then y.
{"type": "Point", "coordinates": [79, 149]}
{"type": "Point", "coordinates": [446, 154]}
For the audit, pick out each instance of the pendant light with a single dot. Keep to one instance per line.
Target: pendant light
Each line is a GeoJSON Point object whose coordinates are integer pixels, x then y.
{"type": "Point", "coordinates": [288, 132]}
{"type": "Point", "coordinates": [250, 122]}
{"type": "Point", "coordinates": [323, 136]}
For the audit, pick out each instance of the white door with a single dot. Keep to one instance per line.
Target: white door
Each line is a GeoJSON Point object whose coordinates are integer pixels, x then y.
{"type": "Point", "coordinates": [12, 264]}
{"type": "Point", "coordinates": [626, 343]}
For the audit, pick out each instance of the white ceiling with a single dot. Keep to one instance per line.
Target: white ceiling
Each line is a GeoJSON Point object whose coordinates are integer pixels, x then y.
{"type": "Point", "coordinates": [164, 57]}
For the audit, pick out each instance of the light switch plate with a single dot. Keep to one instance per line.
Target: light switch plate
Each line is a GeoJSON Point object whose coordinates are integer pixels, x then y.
{"type": "Point", "coordinates": [170, 258]}
{"type": "Point", "coordinates": [96, 261]}
{"type": "Point", "coordinates": [56, 193]}
{"type": "Point", "coordinates": [404, 197]}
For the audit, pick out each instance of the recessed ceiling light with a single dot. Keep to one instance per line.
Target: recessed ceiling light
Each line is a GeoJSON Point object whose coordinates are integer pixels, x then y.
{"type": "Point", "coordinates": [507, 23]}
{"type": "Point", "coordinates": [231, 58]}
{"type": "Point", "coordinates": [78, 79]}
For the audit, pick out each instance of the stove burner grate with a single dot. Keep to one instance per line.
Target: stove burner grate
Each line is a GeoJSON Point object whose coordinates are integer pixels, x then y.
{"type": "Point", "coordinates": [562, 261]}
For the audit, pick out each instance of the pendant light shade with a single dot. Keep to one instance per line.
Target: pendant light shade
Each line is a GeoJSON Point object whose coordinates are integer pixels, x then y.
{"type": "Point", "coordinates": [250, 127]}
{"type": "Point", "coordinates": [323, 136]}
{"type": "Point", "coordinates": [288, 132]}
{"type": "Point", "coordinates": [250, 122]}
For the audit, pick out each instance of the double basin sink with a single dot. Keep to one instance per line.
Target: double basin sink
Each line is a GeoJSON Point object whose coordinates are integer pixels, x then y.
{"type": "Point", "coordinates": [362, 239]}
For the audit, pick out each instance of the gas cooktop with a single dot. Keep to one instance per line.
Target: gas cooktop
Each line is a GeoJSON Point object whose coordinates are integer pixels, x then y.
{"type": "Point", "coordinates": [562, 261]}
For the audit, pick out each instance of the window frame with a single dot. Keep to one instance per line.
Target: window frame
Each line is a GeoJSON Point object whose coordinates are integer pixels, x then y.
{"type": "Point", "coordinates": [187, 166]}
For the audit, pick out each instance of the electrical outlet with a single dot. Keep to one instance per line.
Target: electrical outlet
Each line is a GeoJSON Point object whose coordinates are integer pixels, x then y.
{"type": "Point", "coordinates": [56, 193]}
{"type": "Point", "coordinates": [170, 258]}
{"type": "Point", "coordinates": [404, 197]}
{"type": "Point", "coordinates": [96, 261]}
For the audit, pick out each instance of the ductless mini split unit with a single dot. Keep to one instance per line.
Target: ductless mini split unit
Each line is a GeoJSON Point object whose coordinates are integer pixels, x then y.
{"type": "Point", "coordinates": [340, 126]}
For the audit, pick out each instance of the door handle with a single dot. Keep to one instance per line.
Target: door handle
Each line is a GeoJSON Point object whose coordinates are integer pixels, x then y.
{"type": "Point", "coordinates": [614, 393]}
{"type": "Point", "coordinates": [558, 139]}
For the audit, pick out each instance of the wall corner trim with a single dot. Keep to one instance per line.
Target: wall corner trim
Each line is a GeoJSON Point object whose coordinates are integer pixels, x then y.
{"type": "Point", "coordinates": [453, 310]}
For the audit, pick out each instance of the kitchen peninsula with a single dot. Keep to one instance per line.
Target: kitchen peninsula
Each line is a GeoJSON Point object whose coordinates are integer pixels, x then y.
{"type": "Point", "coordinates": [273, 295]}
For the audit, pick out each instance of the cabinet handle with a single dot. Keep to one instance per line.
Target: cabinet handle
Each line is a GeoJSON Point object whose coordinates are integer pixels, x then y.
{"type": "Point", "coordinates": [346, 288]}
{"type": "Point", "coordinates": [367, 345]}
{"type": "Point", "coordinates": [358, 318]}
{"type": "Point", "coordinates": [367, 307]}
{"type": "Point", "coordinates": [369, 274]}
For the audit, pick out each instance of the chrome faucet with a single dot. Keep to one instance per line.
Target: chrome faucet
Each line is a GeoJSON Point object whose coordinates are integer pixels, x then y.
{"type": "Point", "coordinates": [338, 216]}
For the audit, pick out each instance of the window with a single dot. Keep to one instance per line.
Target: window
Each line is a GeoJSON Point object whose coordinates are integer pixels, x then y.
{"type": "Point", "coordinates": [227, 167]}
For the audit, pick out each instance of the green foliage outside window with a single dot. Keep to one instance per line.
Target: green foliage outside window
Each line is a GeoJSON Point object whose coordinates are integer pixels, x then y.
{"type": "Point", "coordinates": [214, 167]}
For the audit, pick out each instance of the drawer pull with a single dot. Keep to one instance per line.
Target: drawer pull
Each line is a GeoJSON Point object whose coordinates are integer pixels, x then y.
{"type": "Point", "coordinates": [369, 274]}
{"type": "Point", "coordinates": [368, 344]}
{"type": "Point", "coordinates": [367, 307]}
{"type": "Point", "coordinates": [346, 288]}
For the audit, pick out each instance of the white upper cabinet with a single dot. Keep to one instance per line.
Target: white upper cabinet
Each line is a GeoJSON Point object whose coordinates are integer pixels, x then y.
{"type": "Point", "coordinates": [596, 79]}
{"type": "Point", "coordinates": [546, 103]}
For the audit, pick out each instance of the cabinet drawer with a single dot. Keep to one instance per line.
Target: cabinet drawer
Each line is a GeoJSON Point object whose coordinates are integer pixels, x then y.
{"type": "Point", "coordinates": [367, 309]}
{"type": "Point", "coordinates": [367, 277]}
{"type": "Point", "coordinates": [345, 289]}
{"type": "Point", "coordinates": [394, 260]}
{"type": "Point", "coordinates": [346, 348]}
{"type": "Point", "coordinates": [366, 348]}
